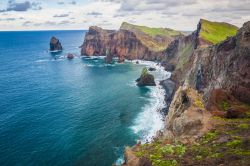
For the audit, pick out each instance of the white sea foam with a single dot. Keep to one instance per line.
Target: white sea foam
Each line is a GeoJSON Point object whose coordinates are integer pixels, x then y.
{"type": "Point", "coordinates": [88, 65]}
{"type": "Point", "coordinates": [42, 60]}
{"type": "Point", "coordinates": [49, 60]}
{"type": "Point", "coordinates": [93, 57]}
{"type": "Point", "coordinates": [131, 84]}
{"type": "Point", "coordinates": [150, 120]}
{"type": "Point", "coordinates": [119, 161]}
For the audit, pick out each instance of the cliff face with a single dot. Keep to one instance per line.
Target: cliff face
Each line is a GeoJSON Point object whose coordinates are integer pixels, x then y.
{"type": "Point", "coordinates": [220, 73]}
{"type": "Point", "coordinates": [208, 118]}
{"type": "Point", "coordinates": [129, 42]}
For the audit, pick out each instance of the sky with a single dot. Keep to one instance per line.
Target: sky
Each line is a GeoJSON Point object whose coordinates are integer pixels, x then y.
{"type": "Point", "coordinates": [109, 14]}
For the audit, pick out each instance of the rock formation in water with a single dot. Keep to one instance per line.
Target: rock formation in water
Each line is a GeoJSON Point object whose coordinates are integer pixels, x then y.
{"type": "Point", "coordinates": [70, 56]}
{"type": "Point", "coordinates": [129, 42]}
{"type": "Point", "coordinates": [145, 79]}
{"type": "Point", "coordinates": [109, 57]}
{"type": "Point", "coordinates": [55, 44]}
{"type": "Point", "coordinates": [208, 118]}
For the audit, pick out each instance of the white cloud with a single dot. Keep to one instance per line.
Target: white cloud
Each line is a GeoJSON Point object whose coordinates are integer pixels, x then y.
{"type": "Point", "coordinates": [176, 14]}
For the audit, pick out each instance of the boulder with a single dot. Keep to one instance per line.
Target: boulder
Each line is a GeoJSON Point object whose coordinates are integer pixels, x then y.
{"type": "Point", "coordinates": [70, 56]}
{"type": "Point", "coordinates": [55, 44]}
{"type": "Point", "coordinates": [187, 117]}
{"type": "Point", "coordinates": [169, 67]}
{"type": "Point", "coordinates": [151, 69]}
{"type": "Point", "coordinates": [145, 79]}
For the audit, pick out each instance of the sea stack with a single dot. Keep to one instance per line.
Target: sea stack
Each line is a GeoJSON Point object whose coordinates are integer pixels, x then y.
{"type": "Point", "coordinates": [109, 57]}
{"type": "Point", "coordinates": [145, 79]}
{"type": "Point", "coordinates": [55, 44]}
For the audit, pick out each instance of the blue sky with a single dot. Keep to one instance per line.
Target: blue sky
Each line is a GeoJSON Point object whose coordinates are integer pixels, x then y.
{"type": "Point", "coordinates": [80, 14]}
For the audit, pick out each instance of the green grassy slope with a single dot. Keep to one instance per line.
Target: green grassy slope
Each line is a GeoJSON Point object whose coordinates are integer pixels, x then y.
{"type": "Point", "coordinates": [150, 36]}
{"type": "Point", "coordinates": [150, 31]}
{"type": "Point", "coordinates": [216, 32]}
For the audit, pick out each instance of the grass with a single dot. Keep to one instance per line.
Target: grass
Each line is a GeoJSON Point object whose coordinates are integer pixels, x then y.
{"type": "Point", "coordinates": [210, 136]}
{"type": "Point", "coordinates": [216, 32]}
{"type": "Point", "coordinates": [156, 151]}
{"type": "Point", "coordinates": [234, 143]}
{"type": "Point", "coordinates": [151, 31]}
{"type": "Point", "coordinates": [185, 53]}
{"type": "Point", "coordinates": [199, 103]}
{"type": "Point", "coordinates": [224, 105]}
{"type": "Point", "coordinates": [207, 150]}
{"type": "Point", "coordinates": [144, 72]}
{"type": "Point", "coordinates": [243, 126]}
{"type": "Point", "coordinates": [147, 35]}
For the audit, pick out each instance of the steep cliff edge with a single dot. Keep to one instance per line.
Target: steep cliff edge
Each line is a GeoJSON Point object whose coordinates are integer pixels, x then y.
{"type": "Point", "coordinates": [208, 122]}
{"type": "Point", "coordinates": [129, 42]}
{"type": "Point", "coordinates": [179, 51]}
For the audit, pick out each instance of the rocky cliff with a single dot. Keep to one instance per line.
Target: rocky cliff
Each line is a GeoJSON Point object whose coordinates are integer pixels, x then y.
{"type": "Point", "coordinates": [222, 67]}
{"type": "Point", "coordinates": [55, 44]}
{"type": "Point", "coordinates": [208, 118]}
{"type": "Point", "coordinates": [129, 42]}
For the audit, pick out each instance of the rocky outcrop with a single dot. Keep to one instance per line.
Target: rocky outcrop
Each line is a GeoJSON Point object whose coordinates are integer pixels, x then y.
{"type": "Point", "coordinates": [132, 160]}
{"type": "Point", "coordinates": [55, 44]}
{"type": "Point", "coordinates": [129, 42]}
{"type": "Point", "coordinates": [220, 73]}
{"type": "Point", "coordinates": [223, 66]}
{"type": "Point", "coordinates": [170, 88]}
{"type": "Point", "coordinates": [145, 79]}
{"type": "Point", "coordinates": [187, 117]}
{"type": "Point", "coordinates": [211, 80]}
{"type": "Point", "coordinates": [180, 50]}
{"type": "Point", "coordinates": [109, 57]}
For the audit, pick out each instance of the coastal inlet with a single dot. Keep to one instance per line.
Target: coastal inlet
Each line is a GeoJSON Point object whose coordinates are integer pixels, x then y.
{"type": "Point", "coordinates": [53, 108]}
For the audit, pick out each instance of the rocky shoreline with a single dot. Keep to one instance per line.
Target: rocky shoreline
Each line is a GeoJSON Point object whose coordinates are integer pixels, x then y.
{"type": "Point", "coordinates": [210, 79]}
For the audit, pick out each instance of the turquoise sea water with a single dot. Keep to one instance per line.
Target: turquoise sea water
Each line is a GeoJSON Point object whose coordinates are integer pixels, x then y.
{"type": "Point", "coordinates": [55, 111]}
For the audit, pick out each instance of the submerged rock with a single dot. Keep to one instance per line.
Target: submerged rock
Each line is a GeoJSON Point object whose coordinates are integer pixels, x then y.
{"type": "Point", "coordinates": [70, 56]}
{"type": "Point", "coordinates": [55, 44]}
{"type": "Point", "coordinates": [145, 79]}
{"type": "Point", "coordinates": [151, 69]}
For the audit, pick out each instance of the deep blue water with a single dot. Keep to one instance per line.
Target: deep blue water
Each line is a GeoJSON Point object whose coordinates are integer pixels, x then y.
{"type": "Point", "coordinates": [55, 111]}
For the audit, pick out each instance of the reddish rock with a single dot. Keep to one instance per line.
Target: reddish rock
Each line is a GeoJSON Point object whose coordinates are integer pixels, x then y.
{"type": "Point", "coordinates": [123, 44]}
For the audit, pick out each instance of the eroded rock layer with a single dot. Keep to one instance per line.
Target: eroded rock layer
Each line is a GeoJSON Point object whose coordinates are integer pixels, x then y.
{"type": "Point", "coordinates": [129, 42]}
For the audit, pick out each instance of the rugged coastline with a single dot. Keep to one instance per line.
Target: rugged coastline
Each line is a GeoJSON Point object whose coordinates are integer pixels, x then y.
{"type": "Point", "coordinates": [210, 80]}
{"type": "Point", "coordinates": [208, 110]}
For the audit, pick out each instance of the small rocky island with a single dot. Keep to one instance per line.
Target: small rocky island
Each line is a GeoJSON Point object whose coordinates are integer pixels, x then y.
{"type": "Point", "coordinates": [145, 79]}
{"type": "Point", "coordinates": [109, 57]}
{"type": "Point", "coordinates": [55, 44]}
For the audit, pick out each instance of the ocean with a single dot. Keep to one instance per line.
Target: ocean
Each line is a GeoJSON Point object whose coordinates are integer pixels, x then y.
{"type": "Point", "coordinates": [55, 111]}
